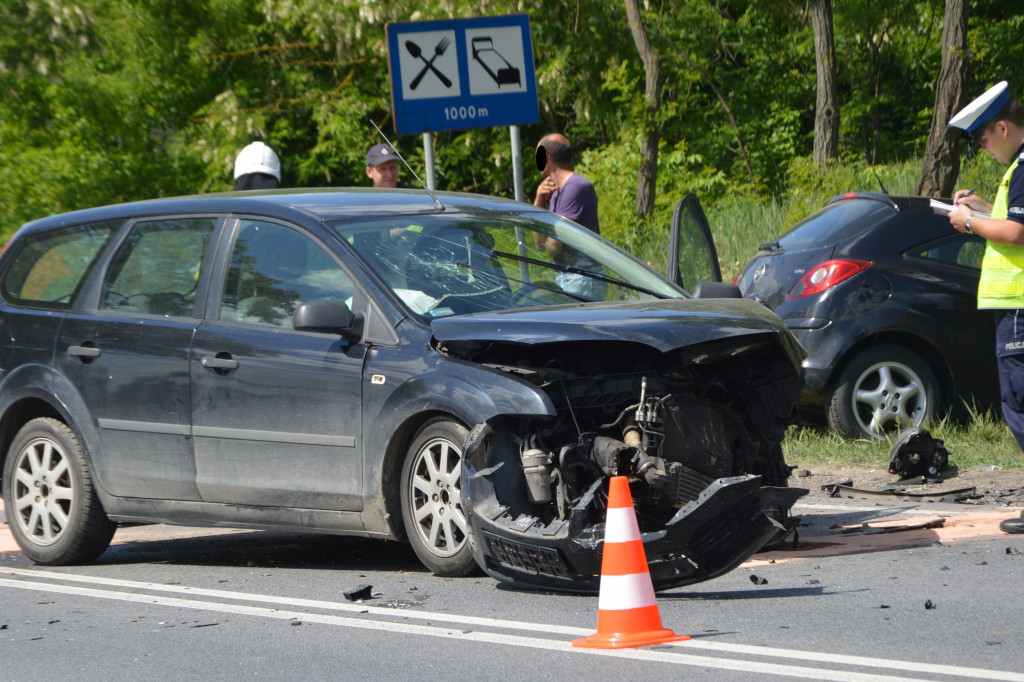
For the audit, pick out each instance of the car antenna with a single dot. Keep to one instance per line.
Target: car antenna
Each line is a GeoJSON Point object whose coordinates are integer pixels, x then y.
{"type": "Point", "coordinates": [433, 196]}
{"type": "Point", "coordinates": [884, 190]}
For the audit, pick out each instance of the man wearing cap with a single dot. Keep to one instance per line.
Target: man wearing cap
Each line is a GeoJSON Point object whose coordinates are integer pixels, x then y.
{"type": "Point", "coordinates": [382, 165]}
{"type": "Point", "coordinates": [257, 167]}
{"type": "Point", "coordinates": [995, 122]}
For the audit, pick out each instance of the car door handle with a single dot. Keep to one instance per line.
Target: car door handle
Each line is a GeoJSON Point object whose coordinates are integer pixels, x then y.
{"type": "Point", "coordinates": [84, 352]}
{"type": "Point", "coordinates": [219, 363]}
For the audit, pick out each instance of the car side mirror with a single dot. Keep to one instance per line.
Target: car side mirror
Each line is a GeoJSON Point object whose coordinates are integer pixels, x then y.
{"type": "Point", "coordinates": [328, 316]}
{"type": "Point", "coordinates": [716, 290]}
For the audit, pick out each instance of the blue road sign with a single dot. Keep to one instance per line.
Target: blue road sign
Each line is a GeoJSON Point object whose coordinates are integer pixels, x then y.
{"type": "Point", "coordinates": [462, 73]}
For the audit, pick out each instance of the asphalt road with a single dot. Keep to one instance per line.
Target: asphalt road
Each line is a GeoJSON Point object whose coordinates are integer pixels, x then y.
{"type": "Point", "coordinates": [929, 592]}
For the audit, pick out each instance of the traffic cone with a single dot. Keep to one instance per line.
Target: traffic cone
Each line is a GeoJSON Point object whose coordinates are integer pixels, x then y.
{"type": "Point", "coordinates": [627, 615]}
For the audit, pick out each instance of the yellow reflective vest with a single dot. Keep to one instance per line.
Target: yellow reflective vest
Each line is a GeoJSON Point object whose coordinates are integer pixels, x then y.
{"type": "Point", "coordinates": [1002, 268]}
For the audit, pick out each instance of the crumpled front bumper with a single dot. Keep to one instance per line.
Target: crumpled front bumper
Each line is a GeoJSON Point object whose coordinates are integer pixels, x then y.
{"type": "Point", "coordinates": [706, 538]}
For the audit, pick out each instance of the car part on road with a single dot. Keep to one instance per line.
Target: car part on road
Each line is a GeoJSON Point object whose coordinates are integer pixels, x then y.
{"type": "Point", "coordinates": [916, 453]}
{"type": "Point", "coordinates": [959, 495]}
{"type": "Point", "coordinates": [868, 529]}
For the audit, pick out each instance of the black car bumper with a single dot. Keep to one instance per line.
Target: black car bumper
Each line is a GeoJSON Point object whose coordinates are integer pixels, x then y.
{"type": "Point", "coordinates": [706, 538]}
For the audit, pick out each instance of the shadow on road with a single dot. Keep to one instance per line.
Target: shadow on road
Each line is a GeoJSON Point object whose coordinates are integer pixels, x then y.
{"type": "Point", "coordinates": [266, 549]}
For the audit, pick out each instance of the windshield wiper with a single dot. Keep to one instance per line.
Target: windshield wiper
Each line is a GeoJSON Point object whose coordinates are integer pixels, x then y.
{"type": "Point", "coordinates": [576, 271]}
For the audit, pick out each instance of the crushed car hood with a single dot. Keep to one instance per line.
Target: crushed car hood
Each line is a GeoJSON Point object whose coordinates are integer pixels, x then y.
{"type": "Point", "coordinates": [665, 325]}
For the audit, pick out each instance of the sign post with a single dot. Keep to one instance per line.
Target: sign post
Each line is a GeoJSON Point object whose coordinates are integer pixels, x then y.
{"type": "Point", "coordinates": [462, 73]}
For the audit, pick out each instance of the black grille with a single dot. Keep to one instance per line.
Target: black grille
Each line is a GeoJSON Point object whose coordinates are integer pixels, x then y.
{"type": "Point", "coordinates": [699, 436]}
{"type": "Point", "coordinates": [684, 485]}
{"type": "Point", "coordinates": [524, 556]}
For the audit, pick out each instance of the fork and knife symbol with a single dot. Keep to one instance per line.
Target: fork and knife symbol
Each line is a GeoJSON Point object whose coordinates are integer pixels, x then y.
{"type": "Point", "coordinates": [417, 52]}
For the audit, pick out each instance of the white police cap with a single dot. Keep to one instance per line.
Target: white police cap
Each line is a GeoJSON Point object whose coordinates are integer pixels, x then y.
{"type": "Point", "coordinates": [257, 158]}
{"type": "Point", "coordinates": [980, 111]}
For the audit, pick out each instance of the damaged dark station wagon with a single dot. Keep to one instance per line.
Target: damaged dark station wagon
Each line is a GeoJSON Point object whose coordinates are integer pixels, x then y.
{"type": "Point", "coordinates": [388, 364]}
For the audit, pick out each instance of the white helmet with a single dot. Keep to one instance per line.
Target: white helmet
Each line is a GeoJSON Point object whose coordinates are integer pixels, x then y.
{"type": "Point", "coordinates": [257, 158]}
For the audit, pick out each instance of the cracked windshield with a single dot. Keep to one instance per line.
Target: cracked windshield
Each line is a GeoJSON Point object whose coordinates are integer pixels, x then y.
{"type": "Point", "coordinates": [441, 265]}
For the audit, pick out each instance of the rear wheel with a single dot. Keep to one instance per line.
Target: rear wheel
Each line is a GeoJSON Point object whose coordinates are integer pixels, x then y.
{"type": "Point", "coordinates": [883, 389]}
{"type": "Point", "coordinates": [432, 510]}
{"type": "Point", "coordinates": [52, 507]}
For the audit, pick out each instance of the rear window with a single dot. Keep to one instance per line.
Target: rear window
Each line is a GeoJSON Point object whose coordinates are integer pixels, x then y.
{"type": "Point", "coordinates": [48, 267]}
{"type": "Point", "coordinates": [834, 223]}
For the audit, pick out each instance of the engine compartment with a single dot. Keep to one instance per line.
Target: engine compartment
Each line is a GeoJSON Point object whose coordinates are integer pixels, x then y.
{"type": "Point", "coordinates": [697, 431]}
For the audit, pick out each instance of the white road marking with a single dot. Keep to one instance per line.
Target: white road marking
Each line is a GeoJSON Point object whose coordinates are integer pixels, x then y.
{"type": "Point", "coordinates": [660, 654]}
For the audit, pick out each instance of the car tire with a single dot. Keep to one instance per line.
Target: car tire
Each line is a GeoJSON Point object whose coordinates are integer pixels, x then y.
{"type": "Point", "coordinates": [883, 389]}
{"type": "Point", "coordinates": [52, 508]}
{"type": "Point", "coordinates": [432, 509]}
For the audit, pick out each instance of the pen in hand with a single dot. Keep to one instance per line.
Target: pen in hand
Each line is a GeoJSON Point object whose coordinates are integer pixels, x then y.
{"type": "Point", "coordinates": [963, 196]}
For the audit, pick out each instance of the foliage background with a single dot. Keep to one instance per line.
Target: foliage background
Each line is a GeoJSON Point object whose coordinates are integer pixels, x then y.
{"type": "Point", "coordinates": [103, 101]}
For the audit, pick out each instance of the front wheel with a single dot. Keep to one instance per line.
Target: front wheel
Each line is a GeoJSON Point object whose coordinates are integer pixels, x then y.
{"type": "Point", "coordinates": [52, 507]}
{"type": "Point", "coordinates": [432, 509]}
{"type": "Point", "coordinates": [883, 389]}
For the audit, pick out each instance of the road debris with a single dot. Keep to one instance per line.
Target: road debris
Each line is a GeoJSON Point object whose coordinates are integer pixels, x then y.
{"type": "Point", "coordinates": [360, 593]}
{"type": "Point", "coordinates": [916, 453]}
{"type": "Point", "coordinates": [959, 495]}
{"type": "Point", "coordinates": [868, 529]}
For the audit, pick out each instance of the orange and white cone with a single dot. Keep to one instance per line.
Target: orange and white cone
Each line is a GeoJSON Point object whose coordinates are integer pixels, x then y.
{"type": "Point", "coordinates": [627, 614]}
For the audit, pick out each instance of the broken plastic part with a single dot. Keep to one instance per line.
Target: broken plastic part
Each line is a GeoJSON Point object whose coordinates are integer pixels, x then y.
{"type": "Point", "coordinates": [916, 453]}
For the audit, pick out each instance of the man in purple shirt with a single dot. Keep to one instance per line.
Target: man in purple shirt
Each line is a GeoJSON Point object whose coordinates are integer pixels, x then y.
{"type": "Point", "coordinates": [562, 190]}
{"type": "Point", "coordinates": [570, 195]}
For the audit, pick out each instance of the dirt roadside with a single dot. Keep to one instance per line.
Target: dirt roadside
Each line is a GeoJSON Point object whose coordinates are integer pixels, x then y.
{"type": "Point", "coordinates": [992, 487]}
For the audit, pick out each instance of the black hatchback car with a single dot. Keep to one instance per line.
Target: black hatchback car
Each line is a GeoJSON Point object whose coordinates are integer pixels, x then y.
{"type": "Point", "coordinates": [389, 364]}
{"type": "Point", "coordinates": [881, 293]}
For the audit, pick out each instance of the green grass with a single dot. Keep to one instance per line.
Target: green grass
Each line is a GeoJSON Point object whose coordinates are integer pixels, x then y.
{"type": "Point", "coordinates": [984, 440]}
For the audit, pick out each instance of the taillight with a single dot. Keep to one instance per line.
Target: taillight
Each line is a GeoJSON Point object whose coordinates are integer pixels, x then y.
{"type": "Point", "coordinates": [825, 275]}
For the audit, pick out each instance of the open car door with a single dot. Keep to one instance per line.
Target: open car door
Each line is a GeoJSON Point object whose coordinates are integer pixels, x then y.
{"type": "Point", "coordinates": [692, 258]}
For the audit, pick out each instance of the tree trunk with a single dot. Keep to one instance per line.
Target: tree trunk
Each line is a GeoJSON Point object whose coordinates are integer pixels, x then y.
{"type": "Point", "coordinates": [647, 176]}
{"type": "Point", "coordinates": [826, 113]}
{"type": "Point", "coordinates": [941, 164]}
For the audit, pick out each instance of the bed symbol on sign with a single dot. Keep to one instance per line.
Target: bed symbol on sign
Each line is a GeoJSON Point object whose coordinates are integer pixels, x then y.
{"type": "Point", "coordinates": [496, 66]}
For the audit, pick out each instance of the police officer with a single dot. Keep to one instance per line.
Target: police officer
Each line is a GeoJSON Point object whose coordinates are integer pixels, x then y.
{"type": "Point", "coordinates": [257, 167]}
{"type": "Point", "coordinates": [995, 121]}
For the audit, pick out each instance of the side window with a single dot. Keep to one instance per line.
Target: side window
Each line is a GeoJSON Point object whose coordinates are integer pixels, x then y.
{"type": "Point", "coordinates": [963, 250]}
{"type": "Point", "coordinates": [49, 267]}
{"type": "Point", "coordinates": [272, 269]}
{"type": "Point", "coordinates": [156, 270]}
